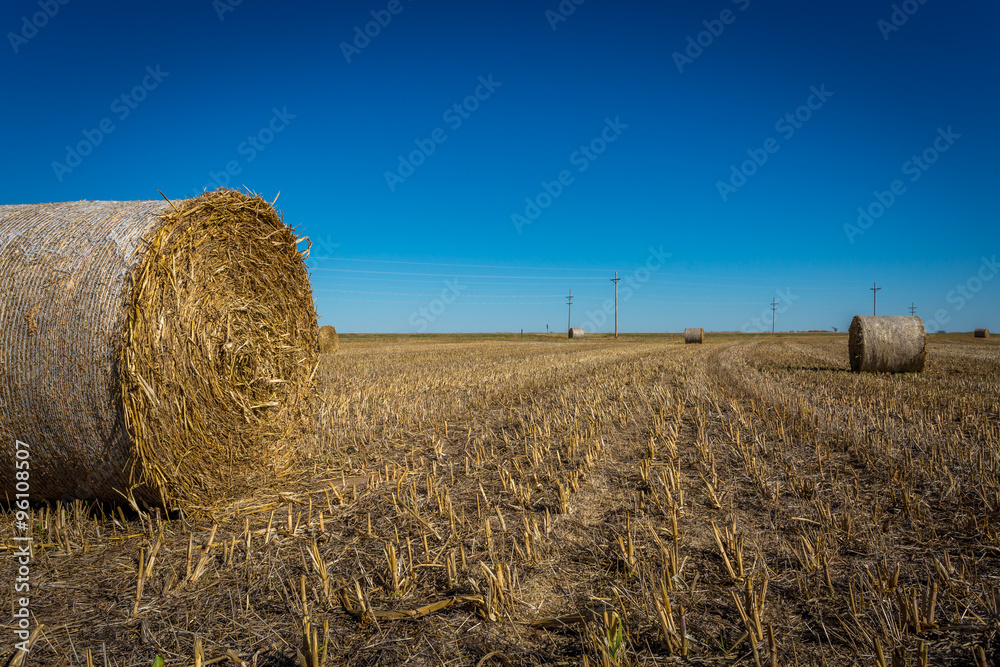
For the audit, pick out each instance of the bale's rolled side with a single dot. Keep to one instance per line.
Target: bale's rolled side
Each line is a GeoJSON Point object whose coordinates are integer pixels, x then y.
{"type": "Point", "coordinates": [161, 352]}
{"type": "Point", "coordinates": [982, 333]}
{"type": "Point", "coordinates": [887, 344]}
{"type": "Point", "coordinates": [328, 342]}
{"type": "Point", "coordinates": [576, 332]}
{"type": "Point", "coordinates": [694, 335]}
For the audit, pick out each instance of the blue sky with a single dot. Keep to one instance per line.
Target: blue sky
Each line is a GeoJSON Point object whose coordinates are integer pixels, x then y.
{"type": "Point", "coordinates": [714, 154]}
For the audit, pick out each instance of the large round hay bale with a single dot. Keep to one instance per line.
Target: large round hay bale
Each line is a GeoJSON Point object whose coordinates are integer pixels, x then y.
{"type": "Point", "coordinates": [887, 344]}
{"type": "Point", "coordinates": [328, 342]}
{"type": "Point", "coordinates": [160, 352]}
{"type": "Point", "coordinates": [694, 335]}
{"type": "Point", "coordinates": [576, 332]}
{"type": "Point", "coordinates": [982, 333]}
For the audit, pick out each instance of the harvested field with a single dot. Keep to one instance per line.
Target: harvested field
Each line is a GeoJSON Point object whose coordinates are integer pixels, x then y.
{"type": "Point", "coordinates": [485, 501]}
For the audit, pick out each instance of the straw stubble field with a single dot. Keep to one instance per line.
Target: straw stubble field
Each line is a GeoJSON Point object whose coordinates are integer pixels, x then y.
{"type": "Point", "coordinates": [545, 501]}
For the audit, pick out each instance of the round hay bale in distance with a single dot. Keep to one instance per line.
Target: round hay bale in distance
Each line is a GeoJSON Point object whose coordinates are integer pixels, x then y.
{"type": "Point", "coordinates": [153, 351]}
{"type": "Point", "coordinates": [576, 332]}
{"type": "Point", "coordinates": [694, 335]}
{"type": "Point", "coordinates": [328, 342]}
{"type": "Point", "coordinates": [887, 344]}
{"type": "Point", "coordinates": [982, 333]}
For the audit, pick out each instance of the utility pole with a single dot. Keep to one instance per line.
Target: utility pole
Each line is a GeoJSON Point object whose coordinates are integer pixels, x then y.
{"type": "Point", "coordinates": [913, 309]}
{"type": "Point", "coordinates": [569, 315]}
{"type": "Point", "coordinates": [615, 281]}
{"type": "Point", "coordinates": [774, 307]}
{"type": "Point", "coordinates": [874, 288]}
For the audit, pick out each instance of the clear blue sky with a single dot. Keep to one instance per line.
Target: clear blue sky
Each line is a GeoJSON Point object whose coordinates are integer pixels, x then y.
{"type": "Point", "coordinates": [634, 129]}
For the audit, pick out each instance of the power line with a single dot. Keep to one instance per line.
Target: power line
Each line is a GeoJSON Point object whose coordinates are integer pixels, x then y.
{"type": "Point", "coordinates": [774, 308]}
{"type": "Point", "coordinates": [491, 296]}
{"type": "Point", "coordinates": [424, 303]}
{"type": "Point", "coordinates": [704, 305]}
{"type": "Point", "coordinates": [497, 266]}
{"type": "Point", "coordinates": [615, 281]}
{"type": "Point", "coordinates": [639, 298]}
{"type": "Point", "coordinates": [535, 278]}
{"type": "Point", "coordinates": [432, 282]}
{"type": "Point", "coordinates": [455, 275]}
{"type": "Point", "coordinates": [534, 304]}
{"type": "Point", "coordinates": [569, 313]}
{"type": "Point", "coordinates": [468, 266]}
{"type": "Point", "coordinates": [636, 300]}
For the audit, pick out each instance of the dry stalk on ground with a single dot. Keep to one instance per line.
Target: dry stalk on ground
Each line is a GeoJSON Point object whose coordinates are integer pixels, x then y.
{"type": "Point", "coordinates": [495, 502]}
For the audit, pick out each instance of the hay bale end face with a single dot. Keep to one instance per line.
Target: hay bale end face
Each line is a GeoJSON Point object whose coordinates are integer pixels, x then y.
{"type": "Point", "coordinates": [887, 344]}
{"type": "Point", "coordinates": [982, 333]}
{"type": "Point", "coordinates": [328, 341]}
{"type": "Point", "coordinates": [694, 335]}
{"type": "Point", "coordinates": [160, 352]}
{"type": "Point", "coordinates": [576, 332]}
